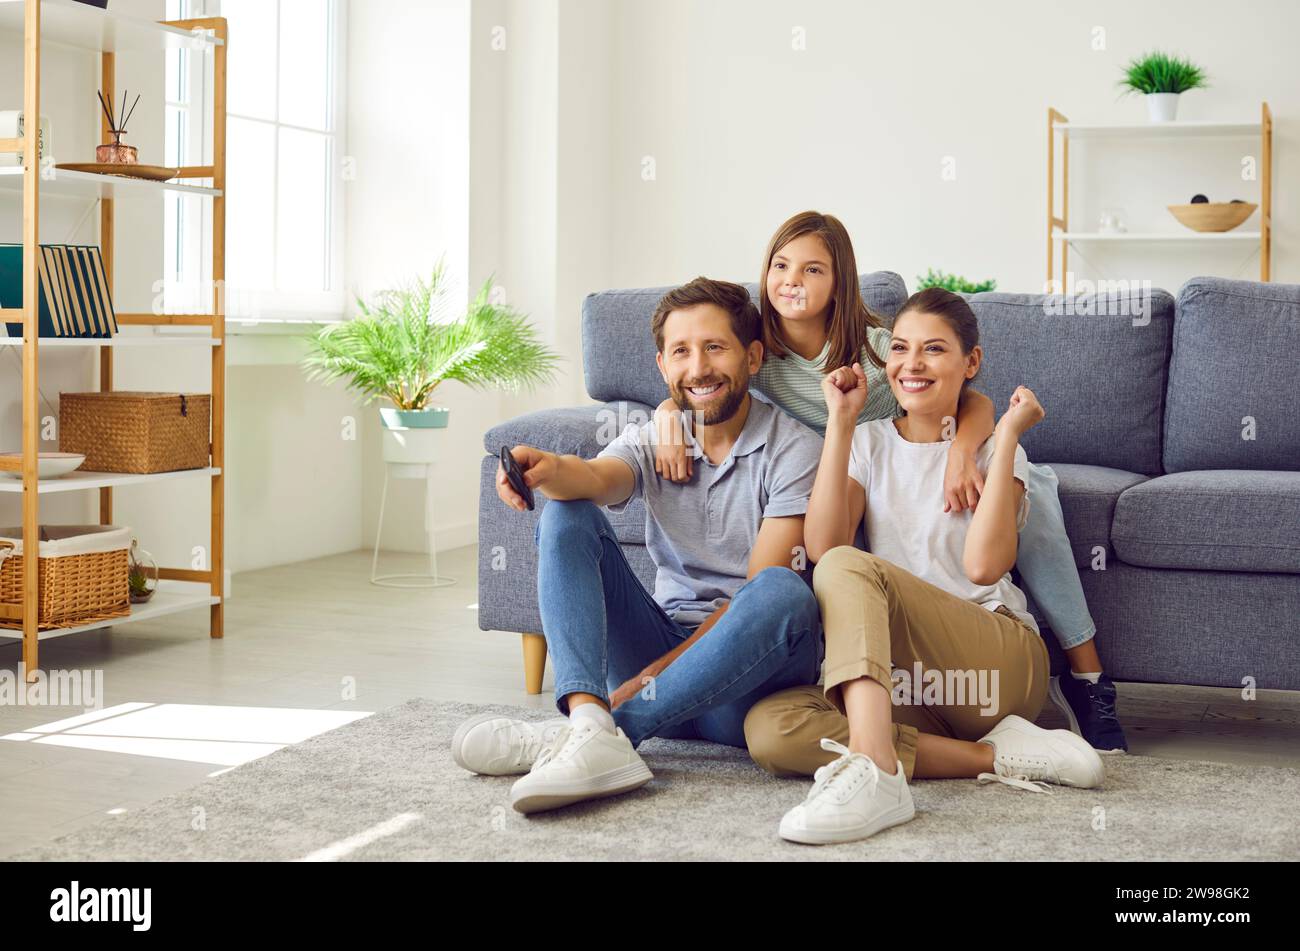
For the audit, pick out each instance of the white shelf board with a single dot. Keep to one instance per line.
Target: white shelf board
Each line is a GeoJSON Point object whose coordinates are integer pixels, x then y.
{"type": "Point", "coordinates": [78, 25]}
{"type": "Point", "coordinates": [1174, 236]}
{"type": "Point", "coordinates": [171, 596]}
{"type": "Point", "coordinates": [80, 479]}
{"type": "Point", "coordinates": [67, 183]}
{"type": "Point", "coordinates": [120, 340]}
{"type": "Point", "coordinates": [1160, 130]}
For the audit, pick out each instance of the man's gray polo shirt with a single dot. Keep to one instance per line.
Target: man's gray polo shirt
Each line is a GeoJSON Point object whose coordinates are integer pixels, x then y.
{"type": "Point", "coordinates": [699, 533]}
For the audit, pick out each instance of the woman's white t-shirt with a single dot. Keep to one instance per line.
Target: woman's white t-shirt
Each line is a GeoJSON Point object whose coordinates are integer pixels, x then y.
{"type": "Point", "coordinates": [904, 518]}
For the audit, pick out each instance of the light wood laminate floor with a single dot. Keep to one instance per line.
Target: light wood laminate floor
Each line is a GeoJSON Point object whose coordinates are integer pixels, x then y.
{"type": "Point", "coordinates": [303, 635]}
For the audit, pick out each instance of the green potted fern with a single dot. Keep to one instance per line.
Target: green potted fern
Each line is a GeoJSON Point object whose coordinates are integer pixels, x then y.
{"type": "Point", "coordinates": [405, 342]}
{"type": "Point", "coordinates": [1162, 78]}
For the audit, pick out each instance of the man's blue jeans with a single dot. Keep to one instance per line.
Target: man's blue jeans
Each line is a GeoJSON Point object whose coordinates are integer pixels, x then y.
{"type": "Point", "coordinates": [603, 628]}
{"type": "Point", "coordinates": [1046, 562]}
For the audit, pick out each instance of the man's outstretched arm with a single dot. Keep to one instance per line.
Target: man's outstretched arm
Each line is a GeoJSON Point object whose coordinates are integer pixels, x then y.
{"type": "Point", "coordinates": [605, 481]}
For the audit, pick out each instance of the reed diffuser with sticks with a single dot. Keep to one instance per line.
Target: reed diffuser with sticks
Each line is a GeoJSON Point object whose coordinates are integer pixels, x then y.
{"type": "Point", "coordinates": [115, 153]}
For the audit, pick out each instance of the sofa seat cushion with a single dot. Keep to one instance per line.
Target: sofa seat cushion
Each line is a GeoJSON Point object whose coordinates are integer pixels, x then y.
{"type": "Point", "coordinates": [582, 431]}
{"type": "Point", "coordinates": [1216, 519]}
{"type": "Point", "coordinates": [1088, 496]}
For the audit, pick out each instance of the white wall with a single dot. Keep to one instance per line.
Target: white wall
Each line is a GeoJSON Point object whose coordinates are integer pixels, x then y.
{"type": "Point", "coordinates": [746, 130]}
{"type": "Point", "coordinates": [408, 205]}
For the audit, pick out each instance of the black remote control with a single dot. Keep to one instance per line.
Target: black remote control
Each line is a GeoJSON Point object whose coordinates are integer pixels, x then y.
{"type": "Point", "coordinates": [515, 476]}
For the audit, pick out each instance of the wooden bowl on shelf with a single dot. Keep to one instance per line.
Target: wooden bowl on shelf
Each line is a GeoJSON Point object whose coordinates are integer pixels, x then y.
{"type": "Point", "coordinates": [1213, 215]}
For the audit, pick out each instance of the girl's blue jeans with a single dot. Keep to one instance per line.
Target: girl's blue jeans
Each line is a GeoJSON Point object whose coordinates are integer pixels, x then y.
{"type": "Point", "coordinates": [1046, 562]}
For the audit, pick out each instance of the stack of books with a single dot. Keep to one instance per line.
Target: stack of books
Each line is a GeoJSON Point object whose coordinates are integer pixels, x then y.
{"type": "Point", "coordinates": [73, 290]}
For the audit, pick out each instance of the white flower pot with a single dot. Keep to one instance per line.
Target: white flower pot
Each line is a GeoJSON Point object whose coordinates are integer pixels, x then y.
{"type": "Point", "coordinates": [413, 446]}
{"type": "Point", "coordinates": [1162, 106]}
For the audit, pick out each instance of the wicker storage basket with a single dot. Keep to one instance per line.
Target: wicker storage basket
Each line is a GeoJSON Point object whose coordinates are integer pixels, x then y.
{"type": "Point", "coordinates": [83, 574]}
{"type": "Point", "coordinates": [126, 431]}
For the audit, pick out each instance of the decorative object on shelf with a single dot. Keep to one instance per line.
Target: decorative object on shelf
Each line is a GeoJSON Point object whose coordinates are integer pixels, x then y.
{"type": "Point", "coordinates": [82, 576]}
{"type": "Point", "coordinates": [1112, 221]}
{"type": "Point", "coordinates": [142, 579]}
{"type": "Point", "coordinates": [952, 282]}
{"type": "Point", "coordinates": [74, 296]}
{"type": "Point", "coordinates": [1061, 131]}
{"type": "Point", "coordinates": [142, 432]}
{"type": "Point", "coordinates": [1162, 78]}
{"type": "Point", "coordinates": [1206, 215]}
{"type": "Point", "coordinates": [49, 465]}
{"type": "Point", "coordinates": [13, 127]}
{"type": "Point", "coordinates": [406, 342]}
{"type": "Point", "coordinates": [115, 153]}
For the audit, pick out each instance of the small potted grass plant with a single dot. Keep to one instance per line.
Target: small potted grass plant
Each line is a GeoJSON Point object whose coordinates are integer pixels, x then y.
{"type": "Point", "coordinates": [405, 342]}
{"type": "Point", "coordinates": [1162, 78]}
{"type": "Point", "coordinates": [953, 282]}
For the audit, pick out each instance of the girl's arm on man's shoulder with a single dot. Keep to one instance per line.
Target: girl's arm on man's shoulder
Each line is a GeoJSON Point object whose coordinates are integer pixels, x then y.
{"type": "Point", "coordinates": [963, 483]}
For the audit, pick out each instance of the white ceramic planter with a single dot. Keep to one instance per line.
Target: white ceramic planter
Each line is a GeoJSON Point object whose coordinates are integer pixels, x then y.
{"type": "Point", "coordinates": [413, 446]}
{"type": "Point", "coordinates": [434, 417]}
{"type": "Point", "coordinates": [1162, 106]}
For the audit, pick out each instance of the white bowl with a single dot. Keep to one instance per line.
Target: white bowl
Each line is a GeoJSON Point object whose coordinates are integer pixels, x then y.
{"type": "Point", "coordinates": [49, 465]}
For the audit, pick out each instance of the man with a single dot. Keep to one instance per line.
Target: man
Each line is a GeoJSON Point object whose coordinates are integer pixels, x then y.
{"type": "Point", "coordinates": [729, 621]}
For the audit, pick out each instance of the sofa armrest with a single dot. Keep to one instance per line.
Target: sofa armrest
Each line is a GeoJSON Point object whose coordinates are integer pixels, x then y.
{"type": "Point", "coordinates": [507, 551]}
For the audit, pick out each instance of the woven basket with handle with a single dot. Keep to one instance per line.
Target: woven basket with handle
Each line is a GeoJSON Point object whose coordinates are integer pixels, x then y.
{"type": "Point", "coordinates": [125, 431]}
{"type": "Point", "coordinates": [71, 589]}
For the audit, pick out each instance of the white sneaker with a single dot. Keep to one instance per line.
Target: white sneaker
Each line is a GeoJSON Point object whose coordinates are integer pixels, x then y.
{"type": "Point", "coordinates": [850, 799]}
{"type": "Point", "coordinates": [1028, 757]}
{"type": "Point", "coordinates": [584, 761]}
{"type": "Point", "coordinates": [499, 746]}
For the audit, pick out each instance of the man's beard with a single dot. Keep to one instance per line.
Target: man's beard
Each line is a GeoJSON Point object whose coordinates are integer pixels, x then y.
{"type": "Point", "coordinates": [721, 410]}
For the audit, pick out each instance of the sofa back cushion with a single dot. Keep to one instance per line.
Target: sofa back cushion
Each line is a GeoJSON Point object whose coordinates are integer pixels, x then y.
{"type": "Point", "coordinates": [1097, 363]}
{"type": "Point", "coordinates": [618, 350]}
{"type": "Point", "coordinates": [1233, 377]}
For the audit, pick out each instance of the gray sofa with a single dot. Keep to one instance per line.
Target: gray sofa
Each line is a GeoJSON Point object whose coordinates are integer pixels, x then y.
{"type": "Point", "coordinates": [1173, 426]}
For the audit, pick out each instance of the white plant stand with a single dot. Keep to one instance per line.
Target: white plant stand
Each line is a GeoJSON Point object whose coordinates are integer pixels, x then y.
{"type": "Point", "coordinates": [410, 454]}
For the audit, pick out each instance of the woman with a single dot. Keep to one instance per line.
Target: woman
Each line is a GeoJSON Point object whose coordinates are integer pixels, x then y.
{"type": "Point", "coordinates": [934, 596]}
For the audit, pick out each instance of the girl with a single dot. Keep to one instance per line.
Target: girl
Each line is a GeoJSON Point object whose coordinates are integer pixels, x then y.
{"type": "Point", "coordinates": [934, 596]}
{"type": "Point", "coordinates": [808, 269]}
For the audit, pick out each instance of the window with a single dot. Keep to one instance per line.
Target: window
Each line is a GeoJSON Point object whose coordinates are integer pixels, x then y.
{"type": "Point", "coordinates": [283, 153]}
{"type": "Point", "coordinates": [187, 236]}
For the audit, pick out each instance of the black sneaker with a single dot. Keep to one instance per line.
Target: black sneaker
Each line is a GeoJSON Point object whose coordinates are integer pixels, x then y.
{"type": "Point", "coordinates": [1090, 708]}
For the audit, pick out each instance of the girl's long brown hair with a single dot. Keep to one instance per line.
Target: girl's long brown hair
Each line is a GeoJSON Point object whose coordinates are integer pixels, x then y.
{"type": "Point", "coordinates": [849, 316]}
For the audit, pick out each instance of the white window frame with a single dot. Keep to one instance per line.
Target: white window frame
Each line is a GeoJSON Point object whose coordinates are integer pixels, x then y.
{"type": "Point", "coordinates": [193, 246]}
{"type": "Point", "coordinates": [272, 304]}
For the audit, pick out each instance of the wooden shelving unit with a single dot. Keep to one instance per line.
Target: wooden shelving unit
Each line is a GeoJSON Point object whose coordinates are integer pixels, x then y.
{"type": "Point", "coordinates": [68, 24]}
{"type": "Point", "coordinates": [1058, 225]}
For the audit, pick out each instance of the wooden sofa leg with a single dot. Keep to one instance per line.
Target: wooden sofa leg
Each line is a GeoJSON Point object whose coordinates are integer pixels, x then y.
{"type": "Point", "coordinates": [534, 662]}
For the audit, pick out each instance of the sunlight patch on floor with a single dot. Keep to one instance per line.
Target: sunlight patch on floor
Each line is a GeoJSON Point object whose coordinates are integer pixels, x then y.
{"type": "Point", "coordinates": [202, 733]}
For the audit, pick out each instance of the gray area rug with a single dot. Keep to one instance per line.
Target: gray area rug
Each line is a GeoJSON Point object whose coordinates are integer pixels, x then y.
{"type": "Point", "coordinates": [706, 802]}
